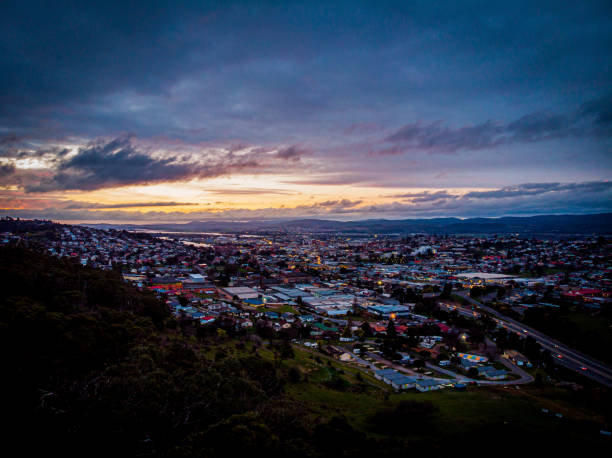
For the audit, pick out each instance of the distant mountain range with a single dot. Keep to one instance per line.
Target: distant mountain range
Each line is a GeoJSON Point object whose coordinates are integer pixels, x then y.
{"type": "Point", "coordinates": [543, 224]}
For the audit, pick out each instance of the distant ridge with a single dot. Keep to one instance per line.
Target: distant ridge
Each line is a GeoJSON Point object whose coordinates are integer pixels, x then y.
{"type": "Point", "coordinates": [543, 224]}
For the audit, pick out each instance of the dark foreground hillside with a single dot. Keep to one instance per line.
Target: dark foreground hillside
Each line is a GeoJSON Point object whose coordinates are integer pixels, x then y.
{"type": "Point", "coordinates": [92, 366]}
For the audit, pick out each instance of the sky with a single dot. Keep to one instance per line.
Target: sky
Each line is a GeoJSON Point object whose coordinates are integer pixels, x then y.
{"type": "Point", "coordinates": [179, 111]}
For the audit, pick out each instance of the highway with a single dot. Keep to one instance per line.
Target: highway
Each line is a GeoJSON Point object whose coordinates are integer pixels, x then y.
{"type": "Point", "coordinates": [562, 354]}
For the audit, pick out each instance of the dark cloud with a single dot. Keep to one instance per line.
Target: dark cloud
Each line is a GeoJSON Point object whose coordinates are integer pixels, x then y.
{"type": "Point", "coordinates": [120, 163]}
{"type": "Point", "coordinates": [593, 119]}
{"type": "Point", "coordinates": [522, 190]}
{"type": "Point", "coordinates": [533, 189]}
{"type": "Point", "coordinates": [9, 139]}
{"type": "Point", "coordinates": [434, 137]}
{"type": "Point", "coordinates": [524, 199]}
{"type": "Point", "coordinates": [6, 170]}
{"type": "Point", "coordinates": [112, 164]}
{"type": "Point", "coordinates": [600, 110]}
{"type": "Point", "coordinates": [292, 153]}
{"type": "Point", "coordinates": [342, 203]}
{"type": "Point", "coordinates": [53, 154]}
{"type": "Point", "coordinates": [77, 66]}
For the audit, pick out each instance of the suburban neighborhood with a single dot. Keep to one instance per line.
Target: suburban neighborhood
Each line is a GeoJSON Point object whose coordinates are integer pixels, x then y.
{"type": "Point", "coordinates": [409, 311]}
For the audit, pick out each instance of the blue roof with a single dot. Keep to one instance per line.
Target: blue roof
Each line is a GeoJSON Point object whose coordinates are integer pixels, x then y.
{"type": "Point", "coordinates": [254, 301]}
{"type": "Point", "coordinates": [384, 371]}
{"type": "Point", "coordinates": [427, 382]}
{"type": "Point", "coordinates": [390, 308]}
{"type": "Point", "coordinates": [395, 376]}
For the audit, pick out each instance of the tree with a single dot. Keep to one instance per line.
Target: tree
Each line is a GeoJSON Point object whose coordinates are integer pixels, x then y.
{"type": "Point", "coordinates": [391, 331]}
{"type": "Point", "coordinates": [367, 330]}
{"type": "Point", "coordinates": [415, 415]}
{"type": "Point", "coordinates": [347, 332]}
{"type": "Point", "coordinates": [539, 381]}
{"type": "Point", "coordinates": [111, 369]}
{"type": "Point", "coordinates": [476, 291]}
{"type": "Point", "coordinates": [477, 335]}
{"type": "Point", "coordinates": [294, 375]}
{"type": "Point", "coordinates": [281, 350]}
{"type": "Point", "coordinates": [446, 291]}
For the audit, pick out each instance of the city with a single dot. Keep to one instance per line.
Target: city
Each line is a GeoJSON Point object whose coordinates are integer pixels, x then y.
{"type": "Point", "coordinates": [306, 229]}
{"type": "Point", "coordinates": [440, 298]}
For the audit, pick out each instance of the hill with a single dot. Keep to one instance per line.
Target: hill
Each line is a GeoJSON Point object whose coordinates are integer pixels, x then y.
{"type": "Point", "coordinates": [553, 225]}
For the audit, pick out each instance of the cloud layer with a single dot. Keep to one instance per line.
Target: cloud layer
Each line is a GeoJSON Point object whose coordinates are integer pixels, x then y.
{"type": "Point", "coordinates": [116, 163]}
{"type": "Point", "coordinates": [349, 108]}
{"type": "Point", "coordinates": [591, 120]}
{"type": "Point", "coordinates": [524, 199]}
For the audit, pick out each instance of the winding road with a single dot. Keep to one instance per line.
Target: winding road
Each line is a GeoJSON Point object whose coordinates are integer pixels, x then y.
{"type": "Point", "coordinates": [562, 354]}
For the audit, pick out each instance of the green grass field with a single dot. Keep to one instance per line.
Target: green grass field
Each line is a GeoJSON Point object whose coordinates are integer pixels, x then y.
{"type": "Point", "coordinates": [459, 414]}
{"type": "Point", "coordinates": [280, 309]}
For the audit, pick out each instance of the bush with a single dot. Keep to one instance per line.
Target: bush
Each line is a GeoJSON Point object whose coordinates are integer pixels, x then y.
{"type": "Point", "coordinates": [405, 416]}
{"type": "Point", "coordinates": [294, 375]}
{"type": "Point", "coordinates": [337, 383]}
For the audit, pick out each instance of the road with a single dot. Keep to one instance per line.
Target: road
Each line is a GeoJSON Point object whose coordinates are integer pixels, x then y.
{"type": "Point", "coordinates": [524, 377]}
{"type": "Point", "coordinates": [463, 311]}
{"type": "Point", "coordinates": [405, 370]}
{"type": "Point", "coordinates": [456, 376]}
{"type": "Point", "coordinates": [562, 354]}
